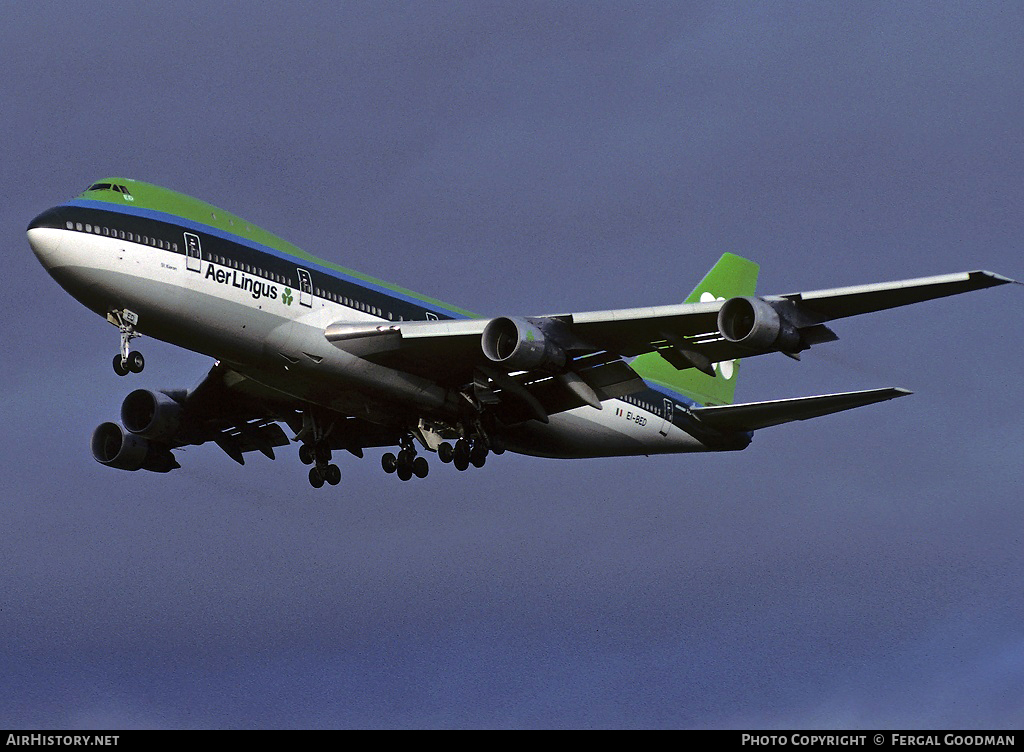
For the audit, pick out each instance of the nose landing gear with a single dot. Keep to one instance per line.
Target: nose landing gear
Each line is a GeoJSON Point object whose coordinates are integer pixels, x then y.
{"type": "Point", "coordinates": [126, 361]}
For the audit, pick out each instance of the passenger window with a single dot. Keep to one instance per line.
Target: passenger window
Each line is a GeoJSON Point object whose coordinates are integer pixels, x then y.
{"type": "Point", "coordinates": [70, 225]}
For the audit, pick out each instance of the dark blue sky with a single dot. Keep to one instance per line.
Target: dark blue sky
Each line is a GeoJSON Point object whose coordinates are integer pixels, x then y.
{"type": "Point", "coordinates": [861, 570]}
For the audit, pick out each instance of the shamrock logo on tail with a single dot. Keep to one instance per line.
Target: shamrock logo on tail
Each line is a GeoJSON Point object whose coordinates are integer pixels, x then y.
{"type": "Point", "coordinates": [287, 297]}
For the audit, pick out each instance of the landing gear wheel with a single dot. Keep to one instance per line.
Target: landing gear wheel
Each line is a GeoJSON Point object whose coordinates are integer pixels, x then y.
{"type": "Point", "coordinates": [316, 478]}
{"type": "Point", "coordinates": [119, 367]}
{"type": "Point", "coordinates": [332, 474]}
{"type": "Point", "coordinates": [478, 455]}
{"type": "Point", "coordinates": [445, 452]}
{"type": "Point", "coordinates": [389, 462]}
{"type": "Point", "coordinates": [420, 468]}
{"type": "Point", "coordinates": [306, 455]}
{"type": "Point", "coordinates": [404, 472]}
{"type": "Point", "coordinates": [136, 362]}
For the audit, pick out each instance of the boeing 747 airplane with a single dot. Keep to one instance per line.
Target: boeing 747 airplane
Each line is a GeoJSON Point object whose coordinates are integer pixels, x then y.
{"type": "Point", "coordinates": [348, 362]}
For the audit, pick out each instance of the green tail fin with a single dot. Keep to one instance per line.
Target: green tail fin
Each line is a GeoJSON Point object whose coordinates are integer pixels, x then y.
{"type": "Point", "coordinates": [732, 276]}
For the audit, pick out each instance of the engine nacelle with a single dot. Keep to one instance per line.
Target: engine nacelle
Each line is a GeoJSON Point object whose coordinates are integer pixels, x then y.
{"type": "Point", "coordinates": [753, 323]}
{"type": "Point", "coordinates": [518, 345]}
{"type": "Point", "coordinates": [151, 414]}
{"type": "Point", "coordinates": [114, 447]}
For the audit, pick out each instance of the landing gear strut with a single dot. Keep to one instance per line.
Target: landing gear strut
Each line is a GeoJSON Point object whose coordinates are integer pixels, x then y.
{"type": "Point", "coordinates": [315, 450]}
{"type": "Point", "coordinates": [126, 361]}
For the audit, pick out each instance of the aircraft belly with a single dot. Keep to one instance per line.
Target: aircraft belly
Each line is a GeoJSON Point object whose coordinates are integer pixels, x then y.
{"type": "Point", "coordinates": [586, 432]}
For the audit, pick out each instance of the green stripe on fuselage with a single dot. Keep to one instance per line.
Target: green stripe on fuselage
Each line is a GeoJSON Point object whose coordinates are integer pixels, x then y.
{"type": "Point", "coordinates": [154, 198]}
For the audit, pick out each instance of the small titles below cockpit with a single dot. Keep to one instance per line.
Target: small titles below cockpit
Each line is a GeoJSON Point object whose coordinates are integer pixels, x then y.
{"type": "Point", "coordinates": [111, 187]}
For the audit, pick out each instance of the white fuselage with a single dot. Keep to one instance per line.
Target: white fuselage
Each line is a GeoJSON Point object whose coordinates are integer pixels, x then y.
{"type": "Point", "coordinates": [238, 313]}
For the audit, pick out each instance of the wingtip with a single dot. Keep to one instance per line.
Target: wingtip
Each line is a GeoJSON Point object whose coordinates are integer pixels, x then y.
{"type": "Point", "coordinates": [996, 279]}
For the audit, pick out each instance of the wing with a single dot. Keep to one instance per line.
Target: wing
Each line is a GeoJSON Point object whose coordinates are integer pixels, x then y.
{"type": "Point", "coordinates": [687, 335]}
{"type": "Point", "coordinates": [746, 324]}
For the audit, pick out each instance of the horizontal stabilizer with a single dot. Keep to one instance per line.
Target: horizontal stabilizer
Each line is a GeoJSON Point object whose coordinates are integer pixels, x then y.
{"type": "Point", "coordinates": [751, 416]}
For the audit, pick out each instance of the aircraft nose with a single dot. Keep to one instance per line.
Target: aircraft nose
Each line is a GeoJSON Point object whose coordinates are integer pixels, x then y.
{"type": "Point", "coordinates": [44, 236]}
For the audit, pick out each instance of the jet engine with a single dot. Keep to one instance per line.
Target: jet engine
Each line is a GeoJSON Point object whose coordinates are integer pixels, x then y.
{"type": "Point", "coordinates": [151, 414]}
{"type": "Point", "coordinates": [519, 345]}
{"type": "Point", "coordinates": [753, 323]}
{"type": "Point", "coordinates": [114, 447]}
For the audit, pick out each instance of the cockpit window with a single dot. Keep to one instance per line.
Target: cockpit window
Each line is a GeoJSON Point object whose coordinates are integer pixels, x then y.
{"type": "Point", "coordinates": [109, 187]}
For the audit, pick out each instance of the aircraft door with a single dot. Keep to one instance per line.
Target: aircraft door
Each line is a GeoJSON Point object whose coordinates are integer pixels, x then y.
{"type": "Point", "coordinates": [193, 253]}
{"type": "Point", "coordinates": [667, 417]}
{"type": "Point", "coordinates": [305, 288]}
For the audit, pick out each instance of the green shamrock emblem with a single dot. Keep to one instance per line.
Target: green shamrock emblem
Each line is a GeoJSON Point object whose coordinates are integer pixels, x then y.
{"type": "Point", "coordinates": [287, 297]}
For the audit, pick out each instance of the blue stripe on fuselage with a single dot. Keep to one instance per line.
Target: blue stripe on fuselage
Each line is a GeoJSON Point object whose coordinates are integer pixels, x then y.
{"type": "Point", "coordinates": [252, 244]}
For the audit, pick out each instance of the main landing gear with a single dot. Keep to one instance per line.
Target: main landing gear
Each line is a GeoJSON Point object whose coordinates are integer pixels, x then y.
{"type": "Point", "coordinates": [406, 464]}
{"type": "Point", "coordinates": [319, 456]}
{"type": "Point", "coordinates": [315, 450]}
{"type": "Point", "coordinates": [463, 454]}
{"type": "Point", "coordinates": [126, 361]}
